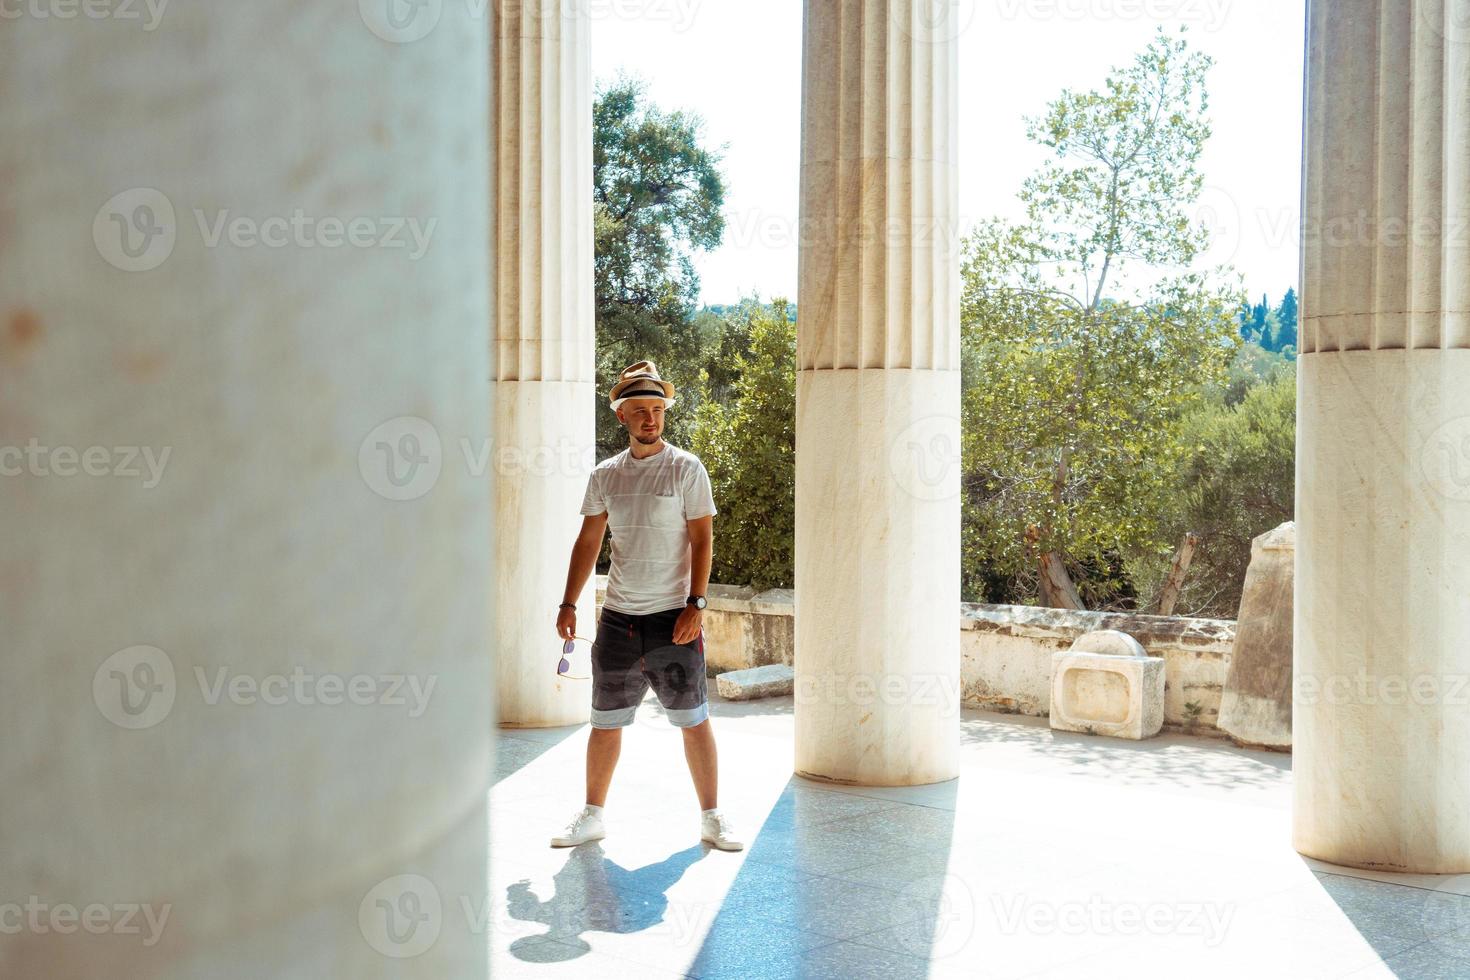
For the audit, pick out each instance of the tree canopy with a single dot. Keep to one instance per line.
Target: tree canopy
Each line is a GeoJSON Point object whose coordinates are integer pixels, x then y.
{"type": "Point", "coordinates": [657, 198]}
{"type": "Point", "coordinates": [748, 443]}
{"type": "Point", "coordinates": [1088, 335]}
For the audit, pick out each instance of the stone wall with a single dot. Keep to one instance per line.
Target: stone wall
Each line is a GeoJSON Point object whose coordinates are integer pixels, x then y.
{"type": "Point", "coordinates": [1005, 651]}
{"type": "Point", "coordinates": [1006, 657]}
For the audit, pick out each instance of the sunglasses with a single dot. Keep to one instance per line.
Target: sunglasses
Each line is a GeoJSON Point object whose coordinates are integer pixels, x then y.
{"type": "Point", "coordinates": [567, 650]}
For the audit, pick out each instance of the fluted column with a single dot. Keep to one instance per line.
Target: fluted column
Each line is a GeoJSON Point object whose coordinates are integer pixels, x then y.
{"type": "Point", "coordinates": [877, 454]}
{"type": "Point", "coordinates": [243, 296]}
{"type": "Point", "coordinates": [1382, 708]}
{"type": "Point", "coordinates": [544, 323]}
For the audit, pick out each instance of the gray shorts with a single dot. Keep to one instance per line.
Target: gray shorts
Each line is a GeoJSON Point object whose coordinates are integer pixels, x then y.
{"type": "Point", "coordinates": [633, 653]}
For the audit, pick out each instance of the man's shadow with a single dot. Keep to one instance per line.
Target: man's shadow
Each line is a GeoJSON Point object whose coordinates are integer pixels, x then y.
{"type": "Point", "coordinates": [593, 893]}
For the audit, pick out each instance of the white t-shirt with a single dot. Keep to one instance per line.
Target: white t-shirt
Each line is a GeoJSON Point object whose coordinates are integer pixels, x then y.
{"type": "Point", "coordinates": [648, 503]}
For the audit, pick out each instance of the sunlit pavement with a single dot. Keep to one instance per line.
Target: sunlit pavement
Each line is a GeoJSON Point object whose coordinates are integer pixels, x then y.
{"type": "Point", "coordinates": [1052, 855]}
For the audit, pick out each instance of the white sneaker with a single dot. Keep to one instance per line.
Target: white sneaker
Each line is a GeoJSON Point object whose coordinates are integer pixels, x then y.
{"type": "Point", "coordinates": [585, 826]}
{"type": "Point", "coordinates": [715, 828]}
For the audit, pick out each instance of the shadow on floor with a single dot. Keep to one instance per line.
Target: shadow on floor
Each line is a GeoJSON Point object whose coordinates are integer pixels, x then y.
{"type": "Point", "coordinates": [792, 912]}
{"type": "Point", "coordinates": [1416, 931]}
{"type": "Point", "coordinates": [722, 708]}
{"type": "Point", "coordinates": [593, 893]}
{"type": "Point", "coordinates": [516, 748]}
{"type": "Point", "coordinates": [1161, 760]}
{"type": "Point", "coordinates": [832, 884]}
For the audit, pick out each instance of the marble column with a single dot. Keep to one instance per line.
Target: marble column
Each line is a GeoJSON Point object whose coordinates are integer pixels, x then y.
{"type": "Point", "coordinates": [243, 308]}
{"type": "Point", "coordinates": [1382, 702]}
{"type": "Point", "coordinates": [544, 347]}
{"type": "Point", "coordinates": [877, 437]}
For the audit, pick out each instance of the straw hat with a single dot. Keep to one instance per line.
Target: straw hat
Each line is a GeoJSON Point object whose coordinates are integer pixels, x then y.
{"type": "Point", "coordinates": [640, 380]}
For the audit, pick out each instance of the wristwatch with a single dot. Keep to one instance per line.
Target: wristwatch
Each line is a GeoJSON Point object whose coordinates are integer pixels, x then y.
{"type": "Point", "coordinates": [697, 601]}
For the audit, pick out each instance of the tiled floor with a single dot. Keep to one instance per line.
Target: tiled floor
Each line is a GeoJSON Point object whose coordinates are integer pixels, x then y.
{"type": "Point", "coordinates": [1052, 855]}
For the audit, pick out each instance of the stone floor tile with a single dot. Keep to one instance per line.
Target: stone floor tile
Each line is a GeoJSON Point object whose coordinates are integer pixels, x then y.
{"type": "Point", "coordinates": [850, 961]}
{"type": "Point", "coordinates": [980, 876]}
{"type": "Point", "coordinates": [1416, 914]}
{"type": "Point", "coordinates": [811, 807]}
{"type": "Point", "coordinates": [823, 851]}
{"type": "Point", "coordinates": [1431, 961]}
{"type": "Point", "coordinates": [827, 907]}
{"type": "Point", "coordinates": [957, 948]}
{"type": "Point", "coordinates": [738, 949]}
{"type": "Point", "coordinates": [939, 795]}
{"type": "Point", "coordinates": [905, 823]}
{"type": "Point", "coordinates": [545, 959]}
{"type": "Point", "coordinates": [1302, 954]}
{"type": "Point", "coordinates": [1457, 884]}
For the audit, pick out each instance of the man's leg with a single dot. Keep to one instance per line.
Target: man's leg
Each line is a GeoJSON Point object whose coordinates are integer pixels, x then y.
{"type": "Point", "coordinates": [603, 748]}
{"type": "Point", "coordinates": [618, 685]}
{"type": "Point", "coordinates": [699, 751]}
{"type": "Point", "coordinates": [602, 755]}
{"type": "Point", "coordinates": [677, 673]}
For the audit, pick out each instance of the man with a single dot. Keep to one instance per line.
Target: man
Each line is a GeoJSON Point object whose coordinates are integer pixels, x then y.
{"type": "Point", "coordinates": [656, 500]}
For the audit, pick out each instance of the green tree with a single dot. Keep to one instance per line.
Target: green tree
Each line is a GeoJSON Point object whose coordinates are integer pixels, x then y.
{"type": "Point", "coordinates": [1238, 480]}
{"type": "Point", "coordinates": [657, 199]}
{"type": "Point", "coordinates": [1086, 341]}
{"type": "Point", "coordinates": [1260, 329]}
{"type": "Point", "coordinates": [749, 448]}
{"type": "Point", "coordinates": [1286, 317]}
{"type": "Point", "coordinates": [1244, 315]}
{"type": "Point", "coordinates": [1252, 365]}
{"type": "Point", "coordinates": [724, 333]}
{"type": "Point", "coordinates": [1271, 332]}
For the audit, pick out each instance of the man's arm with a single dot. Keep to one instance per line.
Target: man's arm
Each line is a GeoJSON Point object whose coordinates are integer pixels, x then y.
{"type": "Point", "coordinates": [701, 548]}
{"type": "Point", "coordinates": [584, 560]}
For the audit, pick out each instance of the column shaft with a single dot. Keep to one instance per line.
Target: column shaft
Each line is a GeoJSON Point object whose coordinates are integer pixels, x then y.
{"type": "Point", "coordinates": [877, 481]}
{"type": "Point", "coordinates": [1382, 713]}
{"type": "Point", "coordinates": [544, 331]}
{"type": "Point", "coordinates": [249, 690]}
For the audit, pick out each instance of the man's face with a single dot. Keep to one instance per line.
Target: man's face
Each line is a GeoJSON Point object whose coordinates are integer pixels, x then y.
{"type": "Point", "coordinates": [644, 418]}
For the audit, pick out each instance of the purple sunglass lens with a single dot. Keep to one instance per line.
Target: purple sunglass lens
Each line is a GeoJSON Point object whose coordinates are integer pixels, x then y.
{"type": "Point", "coordinates": [568, 647]}
{"type": "Point", "coordinates": [563, 667]}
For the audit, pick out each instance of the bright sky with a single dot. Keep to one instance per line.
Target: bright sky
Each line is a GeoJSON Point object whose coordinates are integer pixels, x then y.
{"type": "Point", "coordinates": [738, 64]}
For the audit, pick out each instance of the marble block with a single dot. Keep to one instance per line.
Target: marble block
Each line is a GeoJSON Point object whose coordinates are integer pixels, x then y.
{"type": "Point", "coordinates": [1255, 707]}
{"type": "Point", "coordinates": [1107, 685]}
{"type": "Point", "coordinates": [770, 681]}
